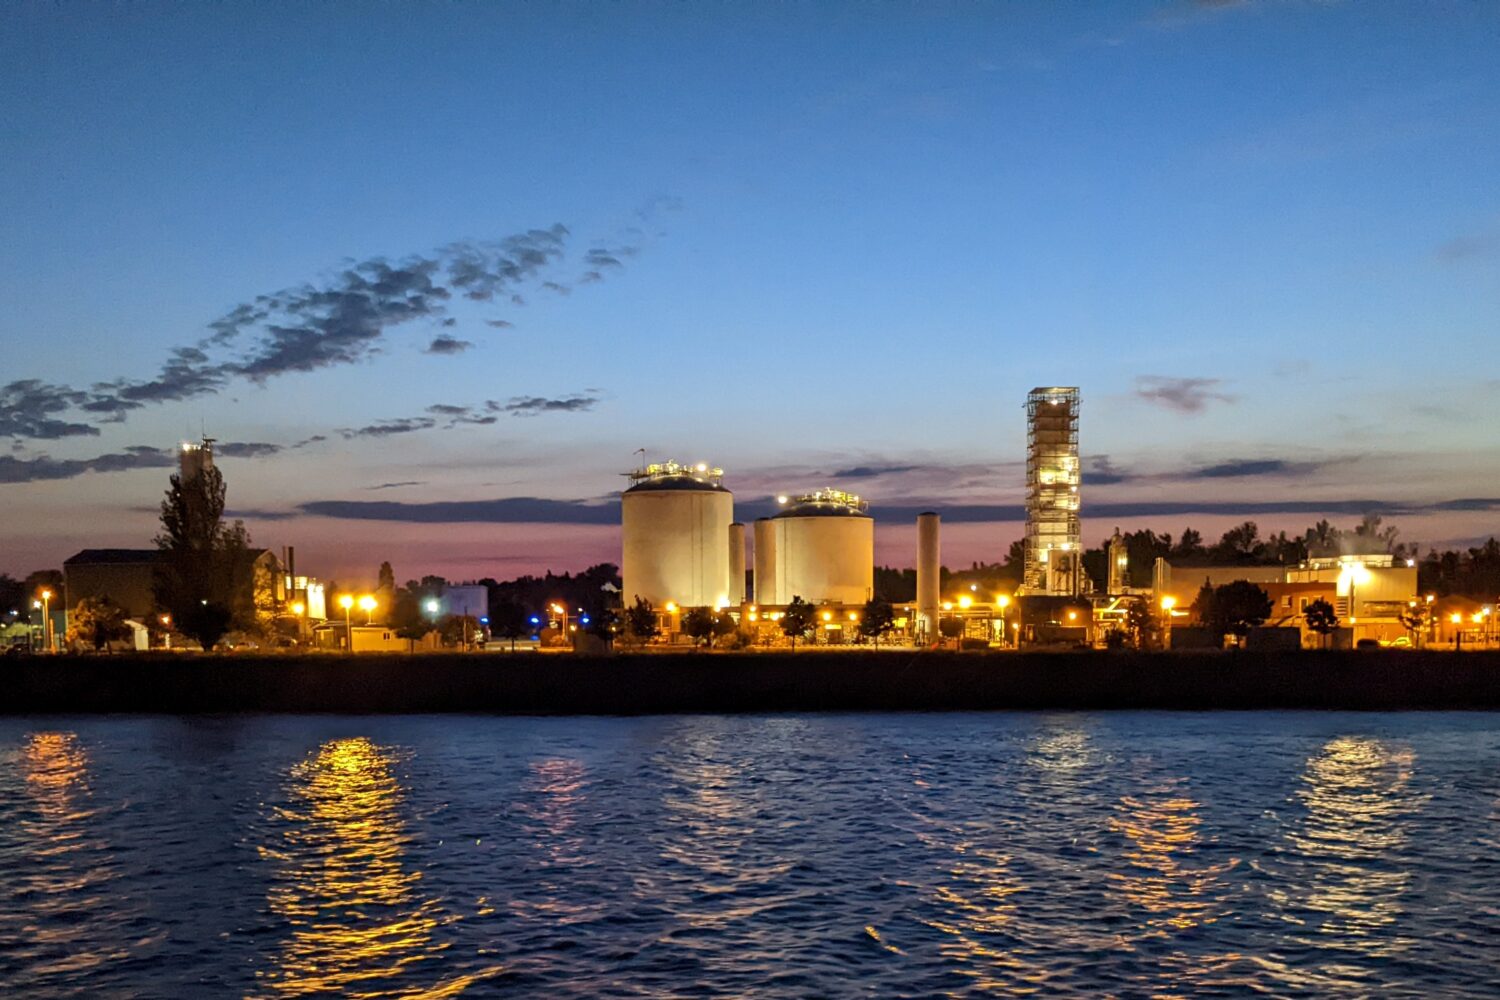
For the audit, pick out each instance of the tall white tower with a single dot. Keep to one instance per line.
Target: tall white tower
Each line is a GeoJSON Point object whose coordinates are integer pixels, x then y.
{"type": "Point", "coordinates": [1054, 547]}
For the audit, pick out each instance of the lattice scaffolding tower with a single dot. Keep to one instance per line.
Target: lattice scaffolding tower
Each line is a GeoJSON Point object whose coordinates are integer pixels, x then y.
{"type": "Point", "coordinates": [1053, 538]}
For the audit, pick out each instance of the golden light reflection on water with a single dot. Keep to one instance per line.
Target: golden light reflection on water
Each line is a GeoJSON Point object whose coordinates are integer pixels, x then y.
{"type": "Point", "coordinates": [71, 870]}
{"type": "Point", "coordinates": [1173, 894]}
{"type": "Point", "coordinates": [358, 924]}
{"type": "Point", "coordinates": [1358, 796]}
{"type": "Point", "coordinates": [1161, 831]}
{"type": "Point", "coordinates": [974, 898]}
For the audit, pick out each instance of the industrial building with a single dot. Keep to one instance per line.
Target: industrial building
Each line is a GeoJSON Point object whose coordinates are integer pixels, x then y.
{"type": "Point", "coordinates": [820, 547]}
{"type": "Point", "coordinates": [676, 530]}
{"type": "Point", "coordinates": [1368, 592]}
{"type": "Point", "coordinates": [1054, 549]}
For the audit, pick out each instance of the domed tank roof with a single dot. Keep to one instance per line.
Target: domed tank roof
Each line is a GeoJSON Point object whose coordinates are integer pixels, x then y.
{"type": "Point", "coordinates": [670, 476]}
{"type": "Point", "coordinates": [823, 503]}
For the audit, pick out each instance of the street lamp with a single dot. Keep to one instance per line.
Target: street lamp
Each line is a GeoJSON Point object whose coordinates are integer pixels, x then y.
{"type": "Point", "coordinates": [166, 627]}
{"type": "Point", "coordinates": [346, 602]}
{"type": "Point", "coordinates": [367, 605]}
{"type": "Point", "coordinates": [47, 619]}
{"type": "Point", "coordinates": [1167, 604]}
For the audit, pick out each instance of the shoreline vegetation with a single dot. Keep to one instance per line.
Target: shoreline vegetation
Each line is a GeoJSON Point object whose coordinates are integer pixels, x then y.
{"type": "Point", "coordinates": [736, 682]}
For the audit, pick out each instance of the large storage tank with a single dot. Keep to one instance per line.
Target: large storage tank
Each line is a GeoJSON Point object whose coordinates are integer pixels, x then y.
{"type": "Point", "coordinates": [821, 548]}
{"type": "Point", "coordinates": [675, 525]}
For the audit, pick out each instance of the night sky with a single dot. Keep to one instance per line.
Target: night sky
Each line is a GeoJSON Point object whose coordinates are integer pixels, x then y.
{"type": "Point", "coordinates": [432, 273]}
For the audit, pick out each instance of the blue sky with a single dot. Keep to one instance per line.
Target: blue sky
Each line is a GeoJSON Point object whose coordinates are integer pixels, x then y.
{"type": "Point", "coordinates": [1261, 236]}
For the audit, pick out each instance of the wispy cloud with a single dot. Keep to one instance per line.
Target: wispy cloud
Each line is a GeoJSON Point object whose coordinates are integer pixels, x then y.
{"type": "Point", "coordinates": [1482, 244]}
{"type": "Point", "coordinates": [527, 510]}
{"type": "Point", "coordinates": [1184, 395]}
{"type": "Point", "coordinates": [28, 406]}
{"type": "Point", "coordinates": [529, 406]}
{"type": "Point", "coordinates": [445, 344]}
{"type": "Point", "coordinates": [340, 320]}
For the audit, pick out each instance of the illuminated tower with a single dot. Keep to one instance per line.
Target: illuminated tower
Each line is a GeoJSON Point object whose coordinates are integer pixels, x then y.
{"type": "Point", "coordinates": [1053, 541]}
{"type": "Point", "coordinates": [195, 458]}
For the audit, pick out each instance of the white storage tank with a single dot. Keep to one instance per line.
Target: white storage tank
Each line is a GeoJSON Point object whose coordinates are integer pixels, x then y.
{"type": "Point", "coordinates": [675, 524]}
{"type": "Point", "coordinates": [820, 547]}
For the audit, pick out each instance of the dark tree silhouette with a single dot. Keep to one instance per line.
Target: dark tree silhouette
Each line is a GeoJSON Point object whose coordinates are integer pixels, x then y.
{"type": "Point", "coordinates": [1322, 619]}
{"type": "Point", "coordinates": [203, 576]}
{"type": "Point", "coordinates": [798, 619]}
{"type": "Point", "coordinates": [640, 621]}
{"type": "Point", "coordinates": [1236, 608]}
{"type": "Point", "coordinates": [96, 622]}
{"type": "Point", "coordinates": [876, 620]}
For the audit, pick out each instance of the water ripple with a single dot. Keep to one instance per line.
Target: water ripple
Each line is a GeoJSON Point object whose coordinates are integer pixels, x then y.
{"type": "Point", "coordinates": [1129, 854]}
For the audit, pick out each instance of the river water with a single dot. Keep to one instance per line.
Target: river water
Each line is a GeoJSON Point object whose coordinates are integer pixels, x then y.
{"type": "Point", "coordinates": [1129, 854]}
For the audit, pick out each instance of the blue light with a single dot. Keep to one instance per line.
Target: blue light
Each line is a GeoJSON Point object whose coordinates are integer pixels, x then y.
{"type": "Point", "coordinates": [536, 621]}
{"type": "Point", "coordinates": [584, 619]}
{"type": "Point", "coordinates": [484, 621]}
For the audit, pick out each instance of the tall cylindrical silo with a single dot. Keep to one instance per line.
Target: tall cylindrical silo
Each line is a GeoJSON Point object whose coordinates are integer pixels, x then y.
{"type": "Point", "coordinates": [824, 545]}
{"type": "Point", "coordinates": [764, 576]}
{"type": "Point", "coordinates": [929, 573]}
{"type": "Point", "coordinates": [674, 522]}
{"type": "Point", "coordinates": [736, 563]}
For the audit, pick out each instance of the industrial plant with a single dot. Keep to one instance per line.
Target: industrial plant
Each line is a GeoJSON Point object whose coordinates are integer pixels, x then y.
{"type": "Point", "coordinates": [806, 573]}
{"type": "Point", "coordinates": [684, 549]}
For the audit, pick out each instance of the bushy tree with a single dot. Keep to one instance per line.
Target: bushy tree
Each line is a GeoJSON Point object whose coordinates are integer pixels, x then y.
{"type": "Point", "coordinates": [641, 622]}
{"type": "Point", "coordinates": [1142, 626]}
{"type": "Point", "coordinates": [407, 617]}
{"type": "Point", "coordinates": [604, 624]}
{"type": "Point", "coordinates": [96, 622]}
{"type": "Point", "coordinates": [510, 621]}
{"type": "Point", "coordinates": [1321, 618]}
{"type": "Point", "coordinates": [876, 620]}
{"type": "Point", "coordinates": [1414, 620]}
{"type": "Point", "coordinates": [204, 573]}
{"type": "Point", "coordinates": [459, 630]}
{"type": "Point", "coordinates": [798, 619]}
{"type": "Point", "coordinates": [698, 623]}
{"type": "Point", "coordinates": [950, 626]}
{"type": "Point", "coordinates": [1236, 608]}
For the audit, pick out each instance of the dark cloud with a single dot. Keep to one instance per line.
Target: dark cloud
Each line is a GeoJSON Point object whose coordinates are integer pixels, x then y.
{"type": "Point", "coordinates": [1254, 467]}
{"type": "Point", "coordinates": [511, 510]}
{"type": "Point", "coordinates": [1185, 395]}
{"type": "Point", "coordinates": [445, 344]}
{"type": "Point", "coordinates": [389, 428]}
{"type": "Point", "coordinates": [870, 471]}
{"type": "Point", "coordinates": [43, 468]}
{"type": "Point", "coordinates": [599, 259]}
{"type": "Point", "coordinates": [338, 321]}
{"type": "Point", "coordinates": [500, 324]}
{"type": "Point", "coordinates": [392, 486]}
{"type": "Point", "coordinates": [483, 270]}
{"type": "Point", "coordinates": [27, 409]}
{"type": "Point", "coordinates": [514, 510]}
{"type": "Point", "coordinates": [247, 449]}
{"type": "Point", "coordinates": [525, 406]}
{"type": "Point", "coordinates": [553, 286]}
{"type": "Point", "coordinates": [1101, 471]}
{"type": "Point", "coordinates": [252, 514]}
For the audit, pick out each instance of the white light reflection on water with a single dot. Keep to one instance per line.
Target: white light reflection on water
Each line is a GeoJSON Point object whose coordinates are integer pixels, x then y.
{"type": "Point", "coordinates": [359, 922]}
{"type": "Point", "coordinates": [1342, 872]}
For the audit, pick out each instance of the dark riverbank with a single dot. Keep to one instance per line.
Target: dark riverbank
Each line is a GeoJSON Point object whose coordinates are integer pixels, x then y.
{"type": "Point", "coordinates": [750, 682]}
